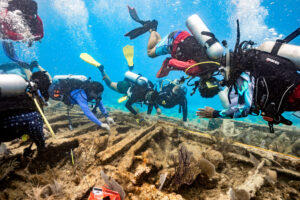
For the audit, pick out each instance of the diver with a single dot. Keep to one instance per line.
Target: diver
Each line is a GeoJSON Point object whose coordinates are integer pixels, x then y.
{"type": "Point", "coordinates": [135, 87]}
{"type": "Point", "coordinates": [76, 89]}
{"type": "Point", "coordinates": [20, 21]}
{"type": "Point", "coordinates": [173, 94]}
{"type": "Point", "coordinates": [19, 100]}
{"type": "Point", "coordinates": [187, 53]}
{"type": "Point", "coordinates": [260, 82]}
{"type": "Point", "coordinates": [141, 93]}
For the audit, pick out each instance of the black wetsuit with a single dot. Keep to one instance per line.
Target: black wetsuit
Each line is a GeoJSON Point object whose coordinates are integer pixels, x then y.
{"type": "Point", "coordinates": [18, 116]}
{"type": "Point", "coordinates": [168, 99]}
{"type": "Point", "coordinates": [138, 95]}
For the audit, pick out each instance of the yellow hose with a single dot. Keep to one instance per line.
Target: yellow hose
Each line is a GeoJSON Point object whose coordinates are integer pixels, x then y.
{"type": "Point", "coordinates": [201, 63]}
{"type": "Point", "coordinates": [45, 119]}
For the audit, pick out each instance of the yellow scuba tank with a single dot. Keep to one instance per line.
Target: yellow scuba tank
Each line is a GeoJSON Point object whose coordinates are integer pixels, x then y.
{"type": "Point", "coordinates": [205, 38]}
{"type": "Point", "coordinates": [289, 51]}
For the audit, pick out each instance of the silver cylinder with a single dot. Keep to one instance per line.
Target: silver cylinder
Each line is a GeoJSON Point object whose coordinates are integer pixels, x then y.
{"type": "Point", "coordinates": [197, 27]}
{"type": "Point", "coordinates": [136, 78]}
{"type": "Point", "coordinates": [12, 85]}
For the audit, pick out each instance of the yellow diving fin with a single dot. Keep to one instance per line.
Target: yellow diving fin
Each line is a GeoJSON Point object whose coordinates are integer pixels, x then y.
{"type": "Point", "coordinates": [89, 59]}
{"type": "Point", "coordinates": [122, 99]}
{"type": "Point", "coordinates": [128, 52]}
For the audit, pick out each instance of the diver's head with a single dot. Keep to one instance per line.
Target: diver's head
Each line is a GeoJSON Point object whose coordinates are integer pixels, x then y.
{"type": "Point", "coordinates": [151, 96]}
{"type": "Point", "coordinates": [94, 90]}
{"type": "Point", "coordinates": [43, 82]}
{"type": "Point", "coordinates": [209, 87]}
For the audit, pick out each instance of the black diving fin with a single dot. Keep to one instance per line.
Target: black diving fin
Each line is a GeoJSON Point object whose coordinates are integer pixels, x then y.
{"type": "Point", "coordinates": [147, 25]}
{"type": "Point", "coordinates": [134, 16]}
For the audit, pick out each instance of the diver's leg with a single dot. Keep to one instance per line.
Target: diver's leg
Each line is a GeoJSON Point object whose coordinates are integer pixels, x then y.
{"type": "Point", "coordinates": [154, 39]}
{"type": "Point", "coordinates": [36, 130]}
{"type": "Point", "coordinates": [105, 77]}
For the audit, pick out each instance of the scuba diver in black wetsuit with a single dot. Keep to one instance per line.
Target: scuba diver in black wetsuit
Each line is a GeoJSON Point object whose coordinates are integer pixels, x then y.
{"type": "Point", "coordinates": [141, 91]}
{"type": "Point", "coordinates": [136, 87]}
{"type": "Point", "coordinates": [142, 94]}
{"type": "Point", "coordinates": [260, 81]}
{"type": "Point", "coordinates": [173, 94]}
{"type": "Point", "coordinates": [193, 54]}
{"type": "Point", "coordinates": [18, 112]}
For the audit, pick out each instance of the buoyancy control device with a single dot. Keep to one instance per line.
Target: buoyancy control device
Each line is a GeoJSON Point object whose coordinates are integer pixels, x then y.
{"type": "Point", "coordinates": [206, 39]}
{"type": "Point", "coordinates": [136, 78]}
{"type": "Point", "coordinates": [13, 85]}
{"type": "Point", "coordinates": [64, 84]}
{"type": "Point", "coordinates": [283, 49]}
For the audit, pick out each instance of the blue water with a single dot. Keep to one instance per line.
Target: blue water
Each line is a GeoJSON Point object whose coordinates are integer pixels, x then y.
{"type": "Point", "coordinates": [98, 27]}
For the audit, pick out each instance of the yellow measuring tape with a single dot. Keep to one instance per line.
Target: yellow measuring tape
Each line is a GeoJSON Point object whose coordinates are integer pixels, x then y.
{"type": "Point", "coordinates": [242, 144]}
{"type": "Point", "coordinates": [45, 119]}
{"type": "Point", "coordinates": [201, 63]}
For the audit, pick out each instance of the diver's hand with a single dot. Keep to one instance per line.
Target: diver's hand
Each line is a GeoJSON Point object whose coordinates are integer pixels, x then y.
{"type": "Point", "coordinates": [205, 113]}
{"type": "Point", "coordinates": [105, 126]}
{"type": "Point", "coordinates": [185, 124]}
{"type": "Point", "coordinates": [139, 121]}
{"type": "Point", "coordinates": [110, 120]}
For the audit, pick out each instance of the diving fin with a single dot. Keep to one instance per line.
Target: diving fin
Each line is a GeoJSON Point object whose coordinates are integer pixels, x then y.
{"type": "Point", "coordinates": [128, 52]}
{"type": "Point", "coordinates": [134, 16]}
{"type": "Point", "coordinates": [9, 50]}
{"type": "Point", "coordinates": [149, 25]}
{"type": "Point", "coordinates": [89, 59]}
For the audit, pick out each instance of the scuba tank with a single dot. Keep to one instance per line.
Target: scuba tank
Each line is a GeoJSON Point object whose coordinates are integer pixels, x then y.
{"type": "Point", "coordinates": [70, 76]}
{"type": "Point", "coordinates": [136, 78]}
{"type": "Point", "coordinates": [12, 85]}
{"type": "Point", "coordinates": [205, 38]}
{"type": "Point", "coordinates": [283, 49]}
{"type": "Point", "coordinates": [289, 51]}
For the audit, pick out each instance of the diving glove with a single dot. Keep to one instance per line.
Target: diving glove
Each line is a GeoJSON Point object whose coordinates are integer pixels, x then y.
{"type": "Point", "coordinates": [110, 120]}
{"type": "Point", "coordinates": [105, 126]}
{"type": "Point", "coordinates": [140, 120]}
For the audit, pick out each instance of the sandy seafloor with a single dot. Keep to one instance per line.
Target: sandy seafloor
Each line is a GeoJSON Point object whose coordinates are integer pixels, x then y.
{"type": "Point", "coordinates": [205, 160]}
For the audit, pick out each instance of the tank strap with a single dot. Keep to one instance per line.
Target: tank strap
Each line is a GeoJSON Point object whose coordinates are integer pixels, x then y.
{"type": "Point", "coordinates": [276, 47]}
{"type": "Point", "coordinates": [211, 41]}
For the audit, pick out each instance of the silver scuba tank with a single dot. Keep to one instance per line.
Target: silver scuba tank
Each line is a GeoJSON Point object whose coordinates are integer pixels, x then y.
{"type": "Point", "coordinates": [205, 38]}
{"type": "Point", "coordinates": [12, 85]}
{"type": "Point", "coordinates": [136, 78]}
{"type": "Point", "coordinates": [70, 76]}
{"type": "Point", "coordinates": [289, 51]}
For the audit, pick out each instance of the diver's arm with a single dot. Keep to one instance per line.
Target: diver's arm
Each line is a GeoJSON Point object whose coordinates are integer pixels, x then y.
{"type": "Point", "coordinates": [81, 99]}
{"type": "Point", "coordinates": [129, 105]}
{"type": "Point", "coordinates": [245, 95]}
{"type": "Point", "coordinates": [102, 109]}
{"type": "Point", "coordinates": [184, 109]}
